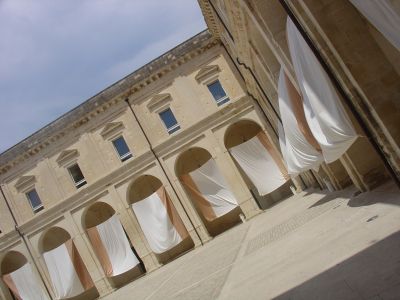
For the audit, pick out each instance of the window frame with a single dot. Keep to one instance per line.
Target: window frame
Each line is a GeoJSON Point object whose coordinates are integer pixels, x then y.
{"type": "Point", "coordinates": [81, 182]}
{"type": "Point", "coordinates": [176, 127]}
{"type": "Point", "coordinates": [222, 100]}
{"type": "Point", "coordinates": [37, 208]}
{"type": "Point", "coordinates": [125, 156]}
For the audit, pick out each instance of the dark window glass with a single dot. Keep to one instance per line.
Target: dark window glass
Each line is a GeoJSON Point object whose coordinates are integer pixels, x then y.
{"type": "Point", "coordinates": [169, 121]}
{"type": "Point", "coordinates": [34, 200]}
{"type": "Point", "coordinates": [218, 92]}
{"type": "Point", "coordinates": [122, 148]}
{"type": "Point", "coordinates": [77, 175]}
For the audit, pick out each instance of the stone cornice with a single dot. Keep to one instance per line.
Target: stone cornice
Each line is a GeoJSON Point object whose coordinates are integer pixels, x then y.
{"type": "Point", "coordinates": [210, 18]}
{"type": "Point", "coordinates": [100, 103]}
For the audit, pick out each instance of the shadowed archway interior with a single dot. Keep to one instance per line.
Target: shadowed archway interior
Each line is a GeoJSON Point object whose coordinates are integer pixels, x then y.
{"type": "Point", "coordinates": [140, 189]}
{"type": "Point", "coordinates": [12, 261]}
{"type": "Point", "coordinates": [98, 213]}
{"type": "Point", "coordinates": [189, 161]}
{"type": "Point", "coordinates": [241, 132]}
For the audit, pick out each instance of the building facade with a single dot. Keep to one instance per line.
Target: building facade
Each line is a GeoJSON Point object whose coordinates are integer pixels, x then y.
{"type": "Point", "coordinates": [144, 132]}
{"type": "Point", "coordinates": [147, 135]}
{"type": "Point", "coordinates": [360, 61]}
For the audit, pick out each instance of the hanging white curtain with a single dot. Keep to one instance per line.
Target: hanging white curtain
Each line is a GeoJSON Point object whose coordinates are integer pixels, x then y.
{"type": "Point", "coordinates": [210, 190]}
{"type": "Point", "coordinates": [382, 15]}
{"type": "Point", "coordinates": [112, 247]}
{"type": "Point", "coordinates": [324, 112]}
{"type": "Point", "coordinates": [63, 276]}
{"type": "Point", "coordinates": [24, 284]}
{"type": "Point", "coordinates": [298, 153]}
{"type": "Point", "coordinates": [259, 165]}
{"type": "Point", "coordinates": [159, 221]}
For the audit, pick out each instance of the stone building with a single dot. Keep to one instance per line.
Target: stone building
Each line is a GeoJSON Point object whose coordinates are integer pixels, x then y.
{"type": "Point", "coordinates": [150, 134]}
{"type": "Point", "coordinates": [146, 131]}
{"type": "Point", "coordinates": [360, 61]}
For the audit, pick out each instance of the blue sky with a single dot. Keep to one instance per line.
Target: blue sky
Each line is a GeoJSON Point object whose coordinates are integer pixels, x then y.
{"type": "Point", "coordinates": [56, 54]}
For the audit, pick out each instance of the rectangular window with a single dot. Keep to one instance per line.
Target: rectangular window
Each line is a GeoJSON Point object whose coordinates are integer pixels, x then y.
{"type": "Point", "coordinates": [122, 148]}
{"type": "Point", "coordinates": [77, 175]}
{"type": "Point", "coordinates": [218, 92]}
{"type": "Point", "coordinates": [34, 200]}
{"type": "Point", "coordinates": [169, 121]}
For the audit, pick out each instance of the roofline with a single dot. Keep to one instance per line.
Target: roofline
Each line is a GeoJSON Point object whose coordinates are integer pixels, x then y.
{"type": "Point", "coordinates": [93, 99]}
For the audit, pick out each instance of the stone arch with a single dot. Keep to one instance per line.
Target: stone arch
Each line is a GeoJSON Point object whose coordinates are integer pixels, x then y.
{"type": "Point", "coordinates": [190, 160]}
{"type": "Point", "coordinates": [238, 133]}
{"type": "Point", "coordinates": [52, 238]}
{"type": "Point", "coordinates": [55, 237]}
{"type": "Point", "coordinates": [96, 214]}
{"type": "Point", "coordinates": [141, 188]}
{"type": "Point", "coordinates": [12, 261]}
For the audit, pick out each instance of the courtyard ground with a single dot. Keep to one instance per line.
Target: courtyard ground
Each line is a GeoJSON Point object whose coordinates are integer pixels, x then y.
{"type": "Point", "coordinates": [313, 245]}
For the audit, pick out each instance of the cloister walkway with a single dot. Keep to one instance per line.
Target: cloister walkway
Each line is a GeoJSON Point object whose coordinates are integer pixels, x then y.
{"type": "Point", "coordinates": [310, 246]}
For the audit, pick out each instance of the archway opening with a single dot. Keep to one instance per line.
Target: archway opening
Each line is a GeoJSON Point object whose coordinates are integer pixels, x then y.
{"type": "Point", "coordinates": [143, 187]}
{"type": "Point", "coordinates": [97, 213]}
{"type": "Point", "coordinates": [199, 160]}
{"type": "Point", "coordinates": [158, 218]}
{"type": "Point", "coordinates": [81, 286]}
{"type": "Point", "coordinates": [240, 133]}
{"type": "Point", "coordinates": [53, 238]}
{"type": "Point", "coordinates": [112, 244]}
{"type": "Point", "coordinates": [12, 261]}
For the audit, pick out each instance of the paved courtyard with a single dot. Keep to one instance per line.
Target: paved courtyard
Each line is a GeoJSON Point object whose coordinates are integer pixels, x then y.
{"type": "Point", "coordinates": [310, 246]}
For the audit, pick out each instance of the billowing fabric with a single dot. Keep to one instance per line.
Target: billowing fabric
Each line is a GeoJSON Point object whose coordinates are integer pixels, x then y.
{"type": "Point", "coordinates": [210, 190]}
{"type": "Point", "coordinates": [382, 15]}
{"type": "Point", "coordinates": [324, 112]}
{"type": "Point", "coordinates": [159, 221]}
{"type": "Point", "coordinates": [64, 275]}
{"type": "Point", "coordinates": [259, 165]}
{"type": "Point", "coordinates": [112, 247]}
{"type": "Point", "coordinates": [24, 284]}
{"type": "Point", "coordinates": [298, 153]}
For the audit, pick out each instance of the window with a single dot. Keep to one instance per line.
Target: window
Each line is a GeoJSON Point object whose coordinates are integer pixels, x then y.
{"type": "Point", "coordinates": [34, 200]}
{"type": "Point", "coordinates": [169, 121]}
{"type": "Point", "coordinates": [77, 175]}
{"type": "Point", "coordinates": [122, 148]}
{"type": "Point", "coordinates": [218, 92]}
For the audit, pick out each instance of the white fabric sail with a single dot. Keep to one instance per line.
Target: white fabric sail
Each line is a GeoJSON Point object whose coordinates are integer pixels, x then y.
{"type": "Point", "coordinates": [298, 153]}
{"type": "Point", "coordinates": [258, 165]}
{"type": "Point", "coordinates": [324, 112]}
{"type": "Point", "coordinates": [382, 15]}
{"type": "Point", "coordinates": [26, 284]}
{"type": "Point", "coordinates": [62, 273]}
{"type": "Point", "coordinates": [156, 223]}
{"type": "Point", "coordinates": [213, 187]}
{"type": "Point", "coordinates": [117, 246]}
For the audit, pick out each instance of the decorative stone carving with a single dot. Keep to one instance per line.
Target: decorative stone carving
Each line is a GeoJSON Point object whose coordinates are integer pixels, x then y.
{"type": "Point", "coordinates": [112, 129]}
{"type": "Point", "coordinates": [67, 156]}
{"type": "Point", "coordinates": [207, 72]}
{"type": "Point", "coordinates": [24, 183]}
{"type": "Point", "coordinates": [159, 102]}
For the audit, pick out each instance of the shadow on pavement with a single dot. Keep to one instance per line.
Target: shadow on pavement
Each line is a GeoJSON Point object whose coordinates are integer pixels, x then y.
{"type": "Point", "coordinates": [373, 273]}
